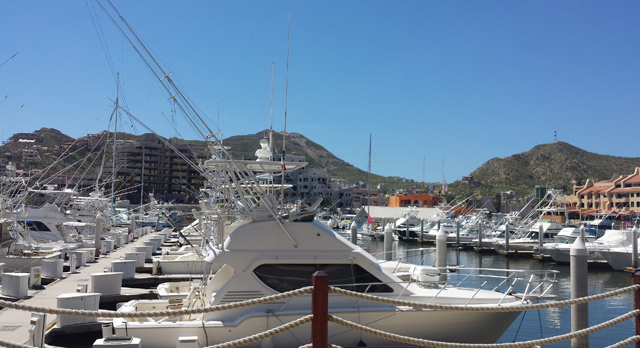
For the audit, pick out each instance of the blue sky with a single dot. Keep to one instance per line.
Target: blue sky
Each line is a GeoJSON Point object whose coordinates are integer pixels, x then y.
{"type": "Point", "coordinates": [460, 81]}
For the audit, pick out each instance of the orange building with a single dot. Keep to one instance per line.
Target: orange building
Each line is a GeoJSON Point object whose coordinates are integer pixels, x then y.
{"type": "Point", "coordinates": [421, 201]}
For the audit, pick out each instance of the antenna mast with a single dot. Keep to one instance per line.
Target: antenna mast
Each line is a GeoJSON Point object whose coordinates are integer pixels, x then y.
{"type": "Point", "coordinates": [286, 89]}
{"type": "Point", "coordinates": [115, 137]}
{"type": "Point", "coordinates": [369, 172]}
{"type": "Point", "coordinates": [271, 112]}
{"type": "Point", "coordinates": [286, 93]}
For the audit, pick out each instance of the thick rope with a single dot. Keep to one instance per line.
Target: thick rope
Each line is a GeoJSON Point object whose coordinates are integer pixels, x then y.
{"type": "Point", "coordinates": [492, 308]}
{"type": "Point", "coordinates": [437, 344]}
{"type": "Point", "coordinates": [265, 334]}
{"type": "Point", "coordinates": [161, 313]}
{"type": "Point", "coordinates": [306, 290]}
{"type": "Point", "coordinates": [8, 344]}
{"type": "Point", "coordinates": [626, 342]}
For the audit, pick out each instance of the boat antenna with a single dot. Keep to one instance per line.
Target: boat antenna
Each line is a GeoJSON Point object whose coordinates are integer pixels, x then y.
{"type": "Point", "coordinates": [115, 137]}
{"type": "Point", "coordinates": [271, 111]}
{"type": "Point", "coordinates": [369, 172]}
{"type": "Point", "coordinates": [286, 88]}
{"type": "Point", "coordinates": [286, 93]}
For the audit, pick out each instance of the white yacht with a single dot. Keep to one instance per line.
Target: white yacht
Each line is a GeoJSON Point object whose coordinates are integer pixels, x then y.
{"type": "Point", "coordinates": [270, 256]}
{"type": "Point", "coordinates": [618, 258]}
{"type": "Point", "coordinates": [531, 238]}
{"type": "Point", "coordinates": [612, 239]}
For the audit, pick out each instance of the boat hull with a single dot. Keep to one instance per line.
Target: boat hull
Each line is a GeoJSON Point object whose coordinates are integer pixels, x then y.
{"type": "Point", "coordinates": [449, 326]}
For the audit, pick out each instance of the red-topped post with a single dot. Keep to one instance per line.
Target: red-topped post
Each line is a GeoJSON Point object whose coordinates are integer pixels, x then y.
{"type": "Point", "coordinates": [320, 310]}
{"type": "Point", "coordinates": [636, 279]}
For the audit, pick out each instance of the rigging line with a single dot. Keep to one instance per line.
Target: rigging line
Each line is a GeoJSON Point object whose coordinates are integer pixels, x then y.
{"type": "Point", "coordinates": [15, 112]}
{"type": "Point", "coordinates": [166, 76]}
{"type": "Point", "coordinates": [100, 34]}
{"type": "Point", "coordinates": [44, 171]}
{"type": "Point", "coordinates": [153, 71]}
{"type": "Point", "coordinates": [90, 153]}
{"type": "Point", "coordinates": [5, 62]}
{"type": "Point", "coordinates": [167, 143]}
{"type": "Point", "coordinates": [183, 140]}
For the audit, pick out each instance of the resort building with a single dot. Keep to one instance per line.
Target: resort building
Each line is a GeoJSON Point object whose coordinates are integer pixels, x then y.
{"type": "Point", "coordinates": [421, 201]}
{"type": "Point", "coordinates": [619, 195]}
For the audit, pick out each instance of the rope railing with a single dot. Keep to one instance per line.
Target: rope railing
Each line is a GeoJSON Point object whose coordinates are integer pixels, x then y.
{"type": "Point", "coordinates": [7, 344]}
{"type": "Point", "coordinates": [474, 308]}
{"type": "Point", "coordinates": [438, 344]}
{"type": "Point", "coordinates": [265, 334]}
{"type": "Point", "coordinates": [308, 290]}
{"type": "Point", "coordinates": [354, 326]}
{"type": "Point", "coordinates": [159, 313]}
{"type": "Point", "coordinates": [625, 343]}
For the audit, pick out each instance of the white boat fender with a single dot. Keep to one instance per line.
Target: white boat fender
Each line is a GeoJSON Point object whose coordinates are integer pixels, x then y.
{"type": "Point", "coordinates": [424, 273]}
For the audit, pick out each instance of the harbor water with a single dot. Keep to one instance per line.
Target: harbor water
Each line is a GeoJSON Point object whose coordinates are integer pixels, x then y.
{"type": "Point", "coordinates": [544, 323]}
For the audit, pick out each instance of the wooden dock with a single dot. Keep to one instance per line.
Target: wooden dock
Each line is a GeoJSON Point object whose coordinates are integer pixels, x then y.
{"type": "Point", "coordinates": [14, 324]}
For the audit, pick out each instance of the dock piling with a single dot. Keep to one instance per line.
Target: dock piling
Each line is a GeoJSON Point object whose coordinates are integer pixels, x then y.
{"type": "Point", "coordinates": [441, 253]}
{"type": "Point", "coordinates": [320, 310]}
{"type": "Point", "coordinates": [506, 238]}
{"type": "Point", "coordinates": [541, 236]}
{"type": "Point", "coordinates": [579, 288]}
{"type": "Point", "coordinates": [634, 247]}
{"type": "Point", "coordinates": [354, 233]}
{"type": "Point", "coordinates": [388, 243]}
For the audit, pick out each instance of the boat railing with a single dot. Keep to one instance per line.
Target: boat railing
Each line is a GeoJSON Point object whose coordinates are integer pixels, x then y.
{"type": "Point", "coordinates": [525, 284]}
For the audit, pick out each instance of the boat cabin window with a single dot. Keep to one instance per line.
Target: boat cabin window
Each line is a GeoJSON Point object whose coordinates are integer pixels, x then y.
{"type": "Point", "coordinates": [287, 277]}
{"type": "Point", "coordinates": [34, 225]}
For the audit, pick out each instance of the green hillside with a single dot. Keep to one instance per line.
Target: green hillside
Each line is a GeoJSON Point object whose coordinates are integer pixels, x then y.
{"type": "Point", "coordinates": [558, 165]}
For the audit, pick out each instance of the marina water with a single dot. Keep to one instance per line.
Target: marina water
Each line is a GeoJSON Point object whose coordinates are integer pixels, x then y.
{"type": "Point", "coordinates": [544, 323]}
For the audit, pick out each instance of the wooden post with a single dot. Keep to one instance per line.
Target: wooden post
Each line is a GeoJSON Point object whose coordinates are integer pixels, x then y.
{"type": "Point", "coordinates": [320, 310]}
{"type": "Point", "coordinates": [636, 279]}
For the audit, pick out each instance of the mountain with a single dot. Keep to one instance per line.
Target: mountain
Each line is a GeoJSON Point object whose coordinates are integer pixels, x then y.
{"type": "Point", "coordinates": [242, 146]}
{"type": "Point", "coordinates": [558, 165]}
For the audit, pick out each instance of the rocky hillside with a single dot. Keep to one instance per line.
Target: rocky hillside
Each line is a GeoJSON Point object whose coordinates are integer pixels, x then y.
{"type": "Point", "coordinates": [243, 146]}
{"type": "Point", "coordinates": [557, 164]}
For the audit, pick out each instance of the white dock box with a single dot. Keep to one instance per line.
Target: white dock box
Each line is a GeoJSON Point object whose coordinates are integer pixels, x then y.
{"type": "Point", "coordinates": [146, 249]}
{"type": "Point", "coordinates": [81, 257]}
{"type": "Point", "coordinates": [52, 268]}
{"type": "Point", "coordinates": [15, 284]}
{"type": "Point", "coordinates": [107, 283]}
{"type": "Point", "coordinates": [137, 256]}
{"type": "Point", "coordinates": [127, 267]}
{"type": "Point", "coordinates": [74, 300]}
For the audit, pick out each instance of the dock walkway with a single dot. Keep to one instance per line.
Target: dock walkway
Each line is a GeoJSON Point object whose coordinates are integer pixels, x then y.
{"type": "Point", "coordinates": [14, 324]}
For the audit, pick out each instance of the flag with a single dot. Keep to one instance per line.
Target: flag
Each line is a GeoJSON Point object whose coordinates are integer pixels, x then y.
{"type": "Point", "coordinates": [284, 168]}
{"type": "Point", "coordinates": [369, 219]}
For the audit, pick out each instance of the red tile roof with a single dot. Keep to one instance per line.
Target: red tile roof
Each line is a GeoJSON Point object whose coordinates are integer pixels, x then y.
{"type": "Point", "coordinates": [635, 179]}
{"type": "Point", "coordinates": [596, 188]}
{"type": "Point", "coordinates": [626, 190]}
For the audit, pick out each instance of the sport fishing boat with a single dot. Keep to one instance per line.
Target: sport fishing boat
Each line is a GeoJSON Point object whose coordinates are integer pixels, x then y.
{"type": "Point", "coordinates": [266, 256]}
{"type": "Point", "coordinates": [530, 240]}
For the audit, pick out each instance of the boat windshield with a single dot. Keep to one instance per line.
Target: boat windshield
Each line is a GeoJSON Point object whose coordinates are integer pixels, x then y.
{"type": "Point", "coordinates": [287, 277]}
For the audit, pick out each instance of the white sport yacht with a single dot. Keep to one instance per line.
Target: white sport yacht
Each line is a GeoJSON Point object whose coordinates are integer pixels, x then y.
{"type": "Point", "coordinates": [268, 257]}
